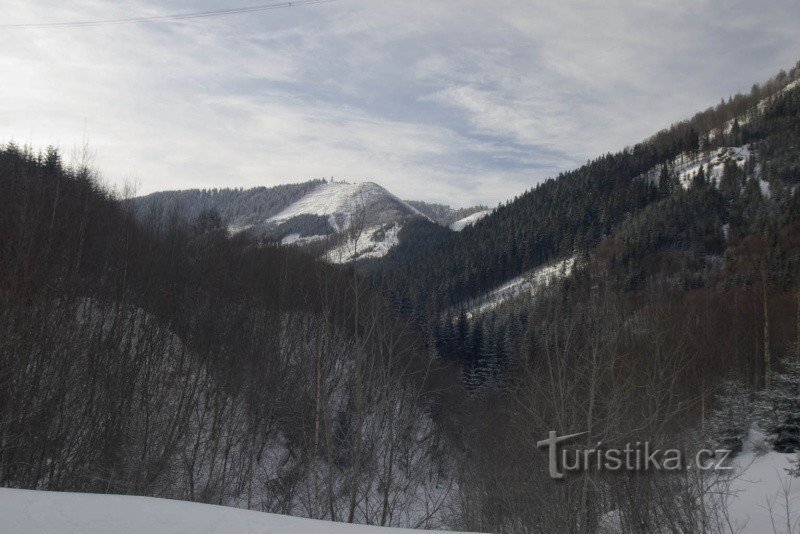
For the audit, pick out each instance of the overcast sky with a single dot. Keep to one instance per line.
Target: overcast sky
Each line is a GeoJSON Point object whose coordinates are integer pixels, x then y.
{"type": "Point", "coordinates": [455, 101]}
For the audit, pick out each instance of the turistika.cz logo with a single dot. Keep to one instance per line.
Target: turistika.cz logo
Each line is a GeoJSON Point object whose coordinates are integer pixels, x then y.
{"type": "Point", "coordinates": [633, 457]}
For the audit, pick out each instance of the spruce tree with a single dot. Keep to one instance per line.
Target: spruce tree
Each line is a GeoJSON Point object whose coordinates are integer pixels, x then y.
{"type": "Point", "coordinates": [779, 409]}
{"type": "Point", "coordinates": [729, 421]}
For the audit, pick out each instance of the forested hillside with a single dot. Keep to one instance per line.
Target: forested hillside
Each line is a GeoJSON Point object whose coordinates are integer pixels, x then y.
{"type": "Point", "coordinates": [173, 360]}
{"type": "Point", "coordinates": [573, 212]}
{"type": "Point", "coordinates": [238, 207]}
{"type": "Point", "coordinates": [652, 295]}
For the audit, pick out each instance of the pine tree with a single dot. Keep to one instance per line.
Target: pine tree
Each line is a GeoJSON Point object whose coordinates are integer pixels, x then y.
{"type": "Point", "coordinates": [699, 179]}
{"type": "Point", "coordinates": [729, 421]}
{"type": "Point", "coordinates": [779, 409]}
{"type": "Point", "coordinates": [665, 181]}
{"type": "Point", "coordinates": [736, 133]}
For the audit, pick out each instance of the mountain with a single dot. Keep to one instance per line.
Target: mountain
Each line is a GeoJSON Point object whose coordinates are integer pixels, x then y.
{"type": "Point", "coordinates": [176, 346]}
{"type": "Point", "coordinates": [339, 220]}
{"type": "Point", "coordinates": [753, 134]}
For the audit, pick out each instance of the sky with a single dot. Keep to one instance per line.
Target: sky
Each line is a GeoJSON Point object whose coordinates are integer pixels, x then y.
{"type": "Point", "coordinates": [452, 101]}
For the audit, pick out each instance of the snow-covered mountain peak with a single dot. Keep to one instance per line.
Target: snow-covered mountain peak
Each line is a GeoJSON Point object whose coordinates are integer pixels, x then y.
{"type": "Point", "coordinates": [336, 219]}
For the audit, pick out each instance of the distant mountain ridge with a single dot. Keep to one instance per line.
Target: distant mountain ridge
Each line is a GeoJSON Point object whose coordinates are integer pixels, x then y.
{"type": "Point", "coordinates": [340, 220]}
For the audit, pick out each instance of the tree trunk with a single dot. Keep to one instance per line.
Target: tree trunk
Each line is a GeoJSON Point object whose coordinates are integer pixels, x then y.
{"type": "Point", "coordinates": [767, 354]}
{"type": "Point", "coordinates": [797, 347]}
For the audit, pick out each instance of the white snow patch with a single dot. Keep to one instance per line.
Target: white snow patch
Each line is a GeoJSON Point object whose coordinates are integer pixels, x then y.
{"type": "Point", "coordinates": [759, 107]}
{"type": "Point", "coordinates": [761, 482]}
{"type": "Point", "coordinates": [529, 283]}
{"type": "Point", "coordinates": [35, 512]}
{"type": "Point", "coordinates": [374, 242]}
{"type": "Point", "coordinates": [469, 220]}
{"type": "Point", "coordinates": [764, 185]}
{"type": "Point", "coordinates": [289, 239]}
{"type": "Point", "coordinates": [234, 229]}
{"type": "Point", "coordinates": [687, 167]}
{"type": "Point", "coordinates": [339, 198]}
{"type": "Point", "coordinates": [296, 239]}
{"type": "Point", "coordinates": [330, 198]}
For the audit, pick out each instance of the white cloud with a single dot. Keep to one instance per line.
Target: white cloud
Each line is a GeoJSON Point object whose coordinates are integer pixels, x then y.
{"type": "Point", "coordinates": [457, 101]}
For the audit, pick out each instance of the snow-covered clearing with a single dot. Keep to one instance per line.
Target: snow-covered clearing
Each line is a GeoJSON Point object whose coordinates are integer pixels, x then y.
{"type": "Point", "coordinates": [686, 166]}
{"type": "Point", "coordinates": [340, 199]}
{"type": "Point", "coordinates": [763, 492]}
{"type": "Point", "coordinates": [759, 496]}
{"type": "Point", "coordinates": [529, 283]}
{"type": "Point", "coordinates": [297, 239]}
{"type": "Point", "coordinates": [330, 198]}
{"type": "Point", "coordinates": [764, 496]}
{"type": "Point", "coordinates": [375, 242]}
{"type": "Point", "coordinates": [39, 512]}
{"type": "Point", "coordinates": [469, 220]}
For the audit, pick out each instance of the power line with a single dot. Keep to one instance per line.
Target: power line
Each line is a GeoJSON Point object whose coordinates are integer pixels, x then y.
{"type": "Point", "coordinates": [168, 18]}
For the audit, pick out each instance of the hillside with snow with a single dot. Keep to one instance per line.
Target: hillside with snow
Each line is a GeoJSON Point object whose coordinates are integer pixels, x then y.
{"type": "Point", "coordinates": [363, 220]}
{"type": "Point", "coordinates": [469, 220]}
{"type": "Point", "coordinates": [39, 512]}
{"type": "Point", "coordinates": [339, 220]}
{"type": "Point", "coordinates": [528, 284]}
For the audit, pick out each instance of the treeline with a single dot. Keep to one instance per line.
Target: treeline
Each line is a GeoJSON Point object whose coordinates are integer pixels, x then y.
{"type": "Point", "coordinates": [173, 360]}
{"type": "Point", "coordinates": [242, 208]}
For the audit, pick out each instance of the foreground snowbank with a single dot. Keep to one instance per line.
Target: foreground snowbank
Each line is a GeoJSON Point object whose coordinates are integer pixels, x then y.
{"type": "Point", "coordinates": [764, 496]}
{"type": "Point", "coordinates": [40, 512]}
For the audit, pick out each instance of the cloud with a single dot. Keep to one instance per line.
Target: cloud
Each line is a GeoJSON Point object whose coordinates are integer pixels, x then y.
{"type": "Point", "coordinates": [457, 101]}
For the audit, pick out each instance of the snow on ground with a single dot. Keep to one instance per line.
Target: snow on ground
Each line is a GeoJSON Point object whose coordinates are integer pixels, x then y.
{"type": "Point", "coordinates": [687, 167]}
{"type": "Point", "coordinates": [330, 198]}
{"type": "Point", "coordinates": [745, 117]}
{"type": "Point", "coordinates": [764, 186]}
{"type": "Point", "coordinates": [39, 512]}
{"type": "Point", "coordinates": [234, 229]}
{"type": "Point", "coordinates": [339, 198]}
{"type": "Point", "coordinates": [762, 496]}
{"type": "Point", "coordinates": [763, 482]}
{"type": "Point", "coordinates": [469, 220]}
{"type": "Point", "coordinates": [296, 239]}
{"type": "Point", "coordinates": [762, 491]}
{"type": "Point", "coordinates": [531, 283]}
{"type": "Point", "coordinates": [375, 242]}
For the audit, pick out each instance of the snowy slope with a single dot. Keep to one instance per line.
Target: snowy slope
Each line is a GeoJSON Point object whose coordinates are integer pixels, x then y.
{"type": "Point", "coordinates": [40, 512]}
{"type": "Point", "coordinates": [375, 242]}
{"type": "Point", "coordinates": [758, 496]}
{"type": "Point", "coordinates": [469, 220]}
{"type": "Point", "coordinates": [342, 199]}
{"type": "Point", "coordinates": [745, 117]}
{"type": "Point", "coordinates": [366, 206]}
{"type": "Point", "coordinates": [529, 283]}
{"type": "Point", "coordinates": [762, 483]}
{"type": "Point", "coordinates": [686, 166]}
{"type": "Point", "coordinates": [762, 491]}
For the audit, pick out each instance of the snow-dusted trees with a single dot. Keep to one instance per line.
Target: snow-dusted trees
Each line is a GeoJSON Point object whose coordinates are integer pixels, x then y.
{"type": "Point", "coordinates": [177, 361]}
{"type": "Point", "coordinates": [779, 408]}
{"type": "Point", "coordinates": [730, 419]}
